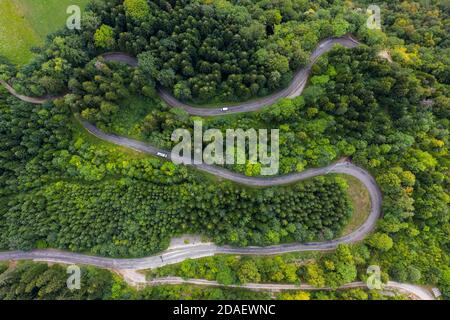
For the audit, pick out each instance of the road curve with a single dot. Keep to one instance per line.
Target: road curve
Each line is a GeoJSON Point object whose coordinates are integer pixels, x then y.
{"type": "Point", "coordinates": [295, 89]}
{"type": "Point", "coordinates": [204, 250]}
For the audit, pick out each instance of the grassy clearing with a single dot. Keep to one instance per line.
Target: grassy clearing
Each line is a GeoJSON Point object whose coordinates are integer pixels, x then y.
{"type": "Point", "coordinates": [131, 115]}
{"type": "Point", "coordinates": [359, 195]}
{"type": "Point", "coordinates": [17, 35]}
{"type": "Point", "coordinates": [47, 16]}
{"type": "Point", "coordinates": [26, 23]}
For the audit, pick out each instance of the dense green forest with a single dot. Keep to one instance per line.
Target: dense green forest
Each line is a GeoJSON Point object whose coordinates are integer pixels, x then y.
{"type": "Point", "coordinates": [201, 50]}
{"type": "Point", "coordinates": [38, 281]}
{"type": "Point", "coordinates": [385, 104]}
{"type": "Point", "coordinates": [74, 186]}
{"type": "Point", "coordinates": [346, 265]}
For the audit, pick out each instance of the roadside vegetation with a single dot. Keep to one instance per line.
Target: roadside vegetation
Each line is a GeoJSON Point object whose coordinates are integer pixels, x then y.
{"type": "Point", "coordinates": [345, 265]}
{"type": "Point", "coordinates": [39, 281]}
{"type": "Point", "coordinates": [390, 117]}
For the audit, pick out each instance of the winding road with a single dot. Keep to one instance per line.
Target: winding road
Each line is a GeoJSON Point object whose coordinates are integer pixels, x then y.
{"type": "Point", "coordinates": [202, 250]}
{"type": "Point", "coordinates": [128, 267]}
{"type": "Point", "coordinates": [139, 279]}
{"type": "Point", "coordinates": [33, 100]}
{"type": "Point", "coordinates": [176, 255]}
{"type": "Point", "coordinates": [295, 89]}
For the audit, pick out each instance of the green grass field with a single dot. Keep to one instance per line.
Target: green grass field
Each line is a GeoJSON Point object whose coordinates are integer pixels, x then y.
{"type": "Point", "coordinates": [359, 195]}
{"type": "Point", "coordinates": [26, 23]}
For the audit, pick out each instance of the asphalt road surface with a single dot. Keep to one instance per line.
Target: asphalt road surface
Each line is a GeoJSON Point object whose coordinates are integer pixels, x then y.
{"type": "Point", "coordinates": [415, 291]}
